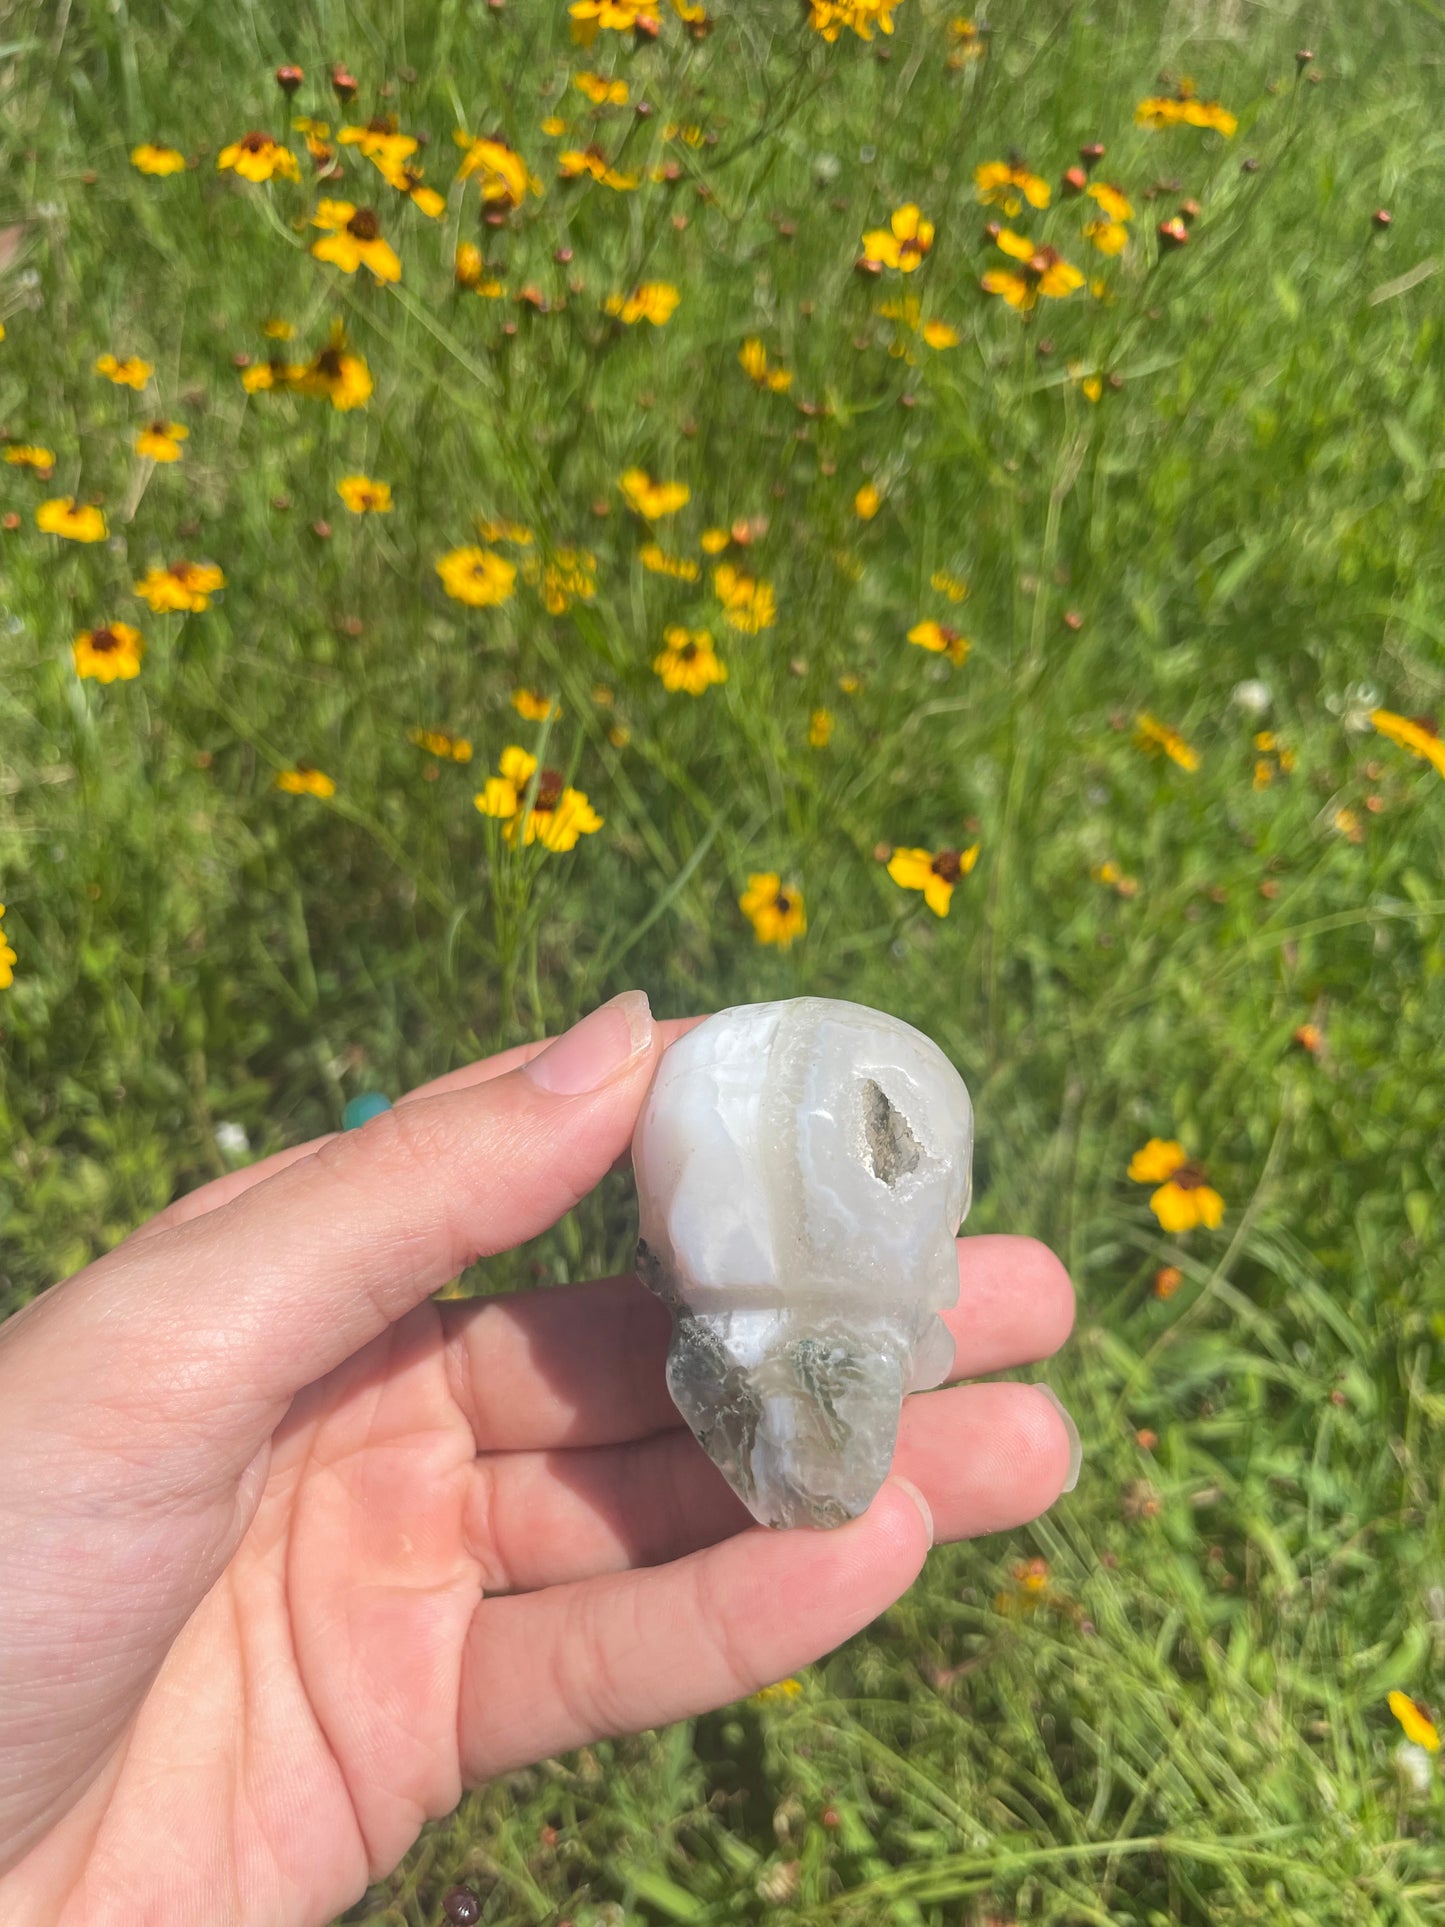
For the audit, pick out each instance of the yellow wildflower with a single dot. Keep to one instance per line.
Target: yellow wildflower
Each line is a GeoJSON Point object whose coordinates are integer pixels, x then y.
{"type": "Point", "coordinates": [412, 183]}
{"type": "Point", "coordinates": [552, 126]}
{"type": "Point", "coordinates": [363, 496]}
{"type": "Point", "coordinates": [534, 708]}
{"type": "Point", "coordinates": [1153, 736]}
{"type": "Point", "coordinates": [303, 780]}
{"type": "Point", "coordinates": [471, 272]}
{"type": "Point", "coordinates": [1184, 1197]}
{"type": "Point", "coordinates": [161, 441]}
{"type": "Point", "coordinates": [1043, 271]}
{"type": "Point", "coordinates": [62, 517]}
{"type": "Point", "coordinates": [940, 639]}
{"type": "Point", "coordinates": [275, 329]}
{"type": "Point", "coordinates": [1008, 184]}
{"type": "Point", "coordinates": [180, 588]}
{"type": "Point", "coordinates": [1415, 737]}
{"type": "Point", "coordinates": [568, 575]}
{"type": "Point", "coordinates": [654, 301]}
{"type": "Point", "coordinates": [1113, 878]}
{"type": "Point", "coordinates": [754, 358]}
{"type": "Point", "coordinates": [1109, 237]}
{"type": "Point", "coordinates": [577, 161]}
{"type": "Point", "coordinates": [652, 500]}
{"type": "Point", "coordinates": [903, 243]}
{"type": "Point", "coordinates": [867, 502]}
{"type": "Point", "coordinates": [110, 654]}
{"type": "Point", "coordinates": [477, 577]}
{"type": "Point", "coordinates": [617, 16]}
{"type": "Point", "coordinates": [517, 533]}
{"type": "Point", "coordinates": [8, 959]}
{"type": "Point", "coordinates": [1183, 108]}
{"type": "Point", "coordinates": [600, 91]}
{"type": "Point", "coordinates": [380, 141]}
{"type": "Point", "coordinates": [553, 815]}
{"type": "Point", "coordinates": [776, 1695]}
{"type": "Point", "coordinates": [953, 586]}
{"type": "Point", "coordinates": [132, 372]}
{"type": "Point", "coordinates": [687, 661]}
{"type": "Point", "coordinates": [970, 42]}
{"type": "Point", "coordinates": [748, 604]}
{"type": "Point", "coordinates": [353, 240]}
{"type": "Point", "coordinates": [655, 558]}
{"type": "Point", "coordinates": [28, 455]}
{"type": "Point", "coordinates": [336, 375]}
{"type": "Point", "coordinates": [259, 157]}
{"type": "Point", "coordinates": [820, 729]}
{"type": "Point", "coordinates": [151, 158]}
{"type": "Point", "coordinates": [939, 334]}
{"type": "Point", "coordinates": [936, 874]}
{"type": "Point", "coordinates": [1420, 1729]}
{"type": "Point", "coordinates": [830, 17]}
{"type": "Point", "coordinates": [436, 742]}
{"type": "Point", "coordinates": [713, 541]}
{"type": "Point", "coordinates": [501, 171]}
{"type": "Point", "coordinates": [777, 915]}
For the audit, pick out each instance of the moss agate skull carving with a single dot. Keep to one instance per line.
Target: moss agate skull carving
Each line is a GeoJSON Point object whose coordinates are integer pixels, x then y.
{"type": "Point", "coordinates": [802, 1169]}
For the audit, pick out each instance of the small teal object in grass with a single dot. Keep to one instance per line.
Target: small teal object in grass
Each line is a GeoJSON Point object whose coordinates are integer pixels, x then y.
{"type": "Point", "coordinates": [361, 1110]}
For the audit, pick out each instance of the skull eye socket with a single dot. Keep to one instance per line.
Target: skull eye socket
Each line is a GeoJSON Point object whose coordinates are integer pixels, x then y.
{"type": "Point", "coordinates": [893, 1150]}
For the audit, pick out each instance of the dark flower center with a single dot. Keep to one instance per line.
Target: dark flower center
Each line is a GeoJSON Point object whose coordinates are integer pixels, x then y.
{"type": "Point", "coordinates": [783, 903]}
{"type": "Point", "coordinates": [1189, 1177]}
{"type": "Point", "coordinates": [687, 651]}
{"type": "Point", "coordinates": [256, 143]}
{"type": "Point", "coordinates": [948, 865]}
{"type": "Point", "coordinates": [549, 791]}
{"type": "Point", "coordinates": [364, 225]}
{"type": "Point", "coordinates": [158, 428]}
{"type": "Point", "coordinates": [103, 641]}
{"type": "Point", "coordinates": [328, 364]}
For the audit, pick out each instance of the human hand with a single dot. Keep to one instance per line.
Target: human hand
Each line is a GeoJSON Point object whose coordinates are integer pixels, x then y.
{"type": "Point", "coordinates": [290, 1553]}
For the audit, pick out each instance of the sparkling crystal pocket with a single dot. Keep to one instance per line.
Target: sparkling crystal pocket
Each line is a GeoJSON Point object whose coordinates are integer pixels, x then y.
{"type": "Point", "coordinates": [802, 1169]}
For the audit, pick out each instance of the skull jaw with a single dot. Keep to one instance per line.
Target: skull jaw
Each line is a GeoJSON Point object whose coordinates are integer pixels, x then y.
{"type": "Point", "coordinates": [799, 1415]}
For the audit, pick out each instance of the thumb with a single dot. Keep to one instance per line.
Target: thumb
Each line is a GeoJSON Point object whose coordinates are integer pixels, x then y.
{"type": "Point", "coordinates": [207, 1330]}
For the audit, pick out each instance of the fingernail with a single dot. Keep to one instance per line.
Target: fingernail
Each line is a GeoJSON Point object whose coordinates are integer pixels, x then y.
{"type": "Point", "coordinates": [594, 1051]}
{"type": "Point", "coordinates": [924, 1509]}
{"type": "Point", "coordinates": [1076, 1446]}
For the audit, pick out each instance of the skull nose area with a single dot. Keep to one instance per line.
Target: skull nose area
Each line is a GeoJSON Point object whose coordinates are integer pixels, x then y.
{"type": "Point", "coordinates": [893, 1150]}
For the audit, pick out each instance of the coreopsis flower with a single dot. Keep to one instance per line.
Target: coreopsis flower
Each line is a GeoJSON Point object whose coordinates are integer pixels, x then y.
{"type": "Point", "coordinates": [181, 588]}
{"type": "Point", "coordinates": [1008, 184]}
{"type": "Point", "coordinates": [953, 586]}
{"type": "Point", "coordinates": [1184, 1198]}
{"type": "Point", "coordinates": [567, 576]}
{"type": "Point", "coordinates": [1274, 758]}
{"type": "Point", "coordinates": [109, 654]}
{"type": "Point", "coordinates": [908, 314]}
{"type": "Point", "coordinates": [76, 524]}
{"type": "Point", "coordinates": [1091, 382]}
{"type": "Point", "coordinates": [748, 604]}
{"type": "Point", "coordinates": [477, 577]}
{"type": "Point", "coordinates": [688, 661]}
{"type": "Point", "coordinates": [754, 359]}
{"type": "Point", "coordinates": [130, 372]}
{"type": "Point", "coordinates": [903, 243]}
{"type": "Point", "coordinates": [160, 441]}
{"type": "Point", "coordinates": [1113, 878]}
{"type": "Point", "coordinates": [867, 502]}
{"type": "Point", "coordinates": [601, 91]}
{"type": "Point", "coordinates": [276, 329]}
{"type": "Point", "coordinates": [30, 455]}
{"type": "Point", "coordinates": [830, 17]}
{"type": "Point", "coordinates": [1418, 738]}
{"type": "Point", "coordinates": [303, 780]}
{"type": "Point", "coordinates": [546, 812]}
{"type": "Point", "coordinates": [591, 161]}
{"type": "Point", "coordinates": [471, 272]}
{"type": "Point", "coordinates": [936, 873]}
{"type": "Point", "coordinates": [652, 500]}
{"type": "Point", "coordinates": [778, 1693]}
{"type": "Point", "coordinates": [533, 707]}
{"type": "Point", "coordinates": [655, 558]}
{"type": "Point", "coordinates": [1042, 271]}
{"type": "Point", "coordinates": [500, 170]}
{"type": "Point", "coordinates": [713, 541]}
{"type": "Point", "coordinates": [1349, 826]}
{"type": "Point", "coordinates": [336, 375]}
{"type": "Point", "coordinates": [353, 240]}
{"type": "Point", "coordinates": [411, 182]}
{"type": "Point", "coordinates": [151, 158]}
{"type": "Point", "coordinates": [8, 957]}
{"type": "Point", "coordinates": [259, 157]}
{"type": "Point", "coordinates": [654, 301]}
{"type": "Point", "coordinates": [776, 914]}
{"type": "Point", "coordinates": [1154, 738]}
{"type": "Point", "coordinates": [381, 142]}
{"type": "Point", "coordinates": [1419, 1728]}
{"type": "Point", "coordinates": [940, 639]}
{"type": "Point", "coordinates": [1108, 231]}
{"type": "Point", "coordinates": [615, 16]}
{"type": "Point", "coordinates": [437, 742]}
{"type": "Point", "coordinates": [271, 375]}
{"type": "Point", "coordinates": [318, 130]}
{"type": "Point", "coordinates": [364, 496]}
{"type": "Point", "coordinates": [553, 126]}
{"type": "Point", "coordinates": [1183, 108]}
{"type": "Point", "coordinates": [970, 43]}
{"type": "Point", "coordinates": [501, 530]}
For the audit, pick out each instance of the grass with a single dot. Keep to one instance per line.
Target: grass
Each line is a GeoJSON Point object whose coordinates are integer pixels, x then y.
{"type": "Point", "coordinates": [1181, 1717]}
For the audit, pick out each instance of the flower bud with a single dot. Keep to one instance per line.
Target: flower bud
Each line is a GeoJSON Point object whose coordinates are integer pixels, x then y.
{"type": "Point", "coordinates": [288, 79]}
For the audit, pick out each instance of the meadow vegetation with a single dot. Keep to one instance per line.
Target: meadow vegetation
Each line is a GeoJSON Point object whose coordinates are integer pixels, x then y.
{"type": "Point", "coordinates": [667, 536]}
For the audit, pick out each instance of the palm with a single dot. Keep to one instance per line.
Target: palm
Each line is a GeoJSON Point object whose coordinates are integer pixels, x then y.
{"type": "Point", "coordinates": [441, 1581]}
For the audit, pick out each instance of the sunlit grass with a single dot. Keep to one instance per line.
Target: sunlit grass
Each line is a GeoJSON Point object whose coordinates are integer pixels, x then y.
{"type": "Point", "coordinates": [1219, 468]}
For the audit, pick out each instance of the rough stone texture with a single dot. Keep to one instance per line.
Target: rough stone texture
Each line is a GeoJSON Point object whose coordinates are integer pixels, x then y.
{"type": "Point", "coordinates": [802, 1169]}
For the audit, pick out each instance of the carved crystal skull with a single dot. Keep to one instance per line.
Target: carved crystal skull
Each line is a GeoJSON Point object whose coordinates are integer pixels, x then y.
{"type": "Point", "coordinates": [802, 1169]}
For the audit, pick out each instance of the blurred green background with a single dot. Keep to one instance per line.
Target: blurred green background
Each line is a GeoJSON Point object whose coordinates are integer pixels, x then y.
{"type": "Point", "coordinates": [1164, 1702]}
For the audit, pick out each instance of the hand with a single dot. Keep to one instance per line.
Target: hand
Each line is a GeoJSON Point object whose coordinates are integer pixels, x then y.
{"type": "Point", "coordinates": [289, 1555]}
